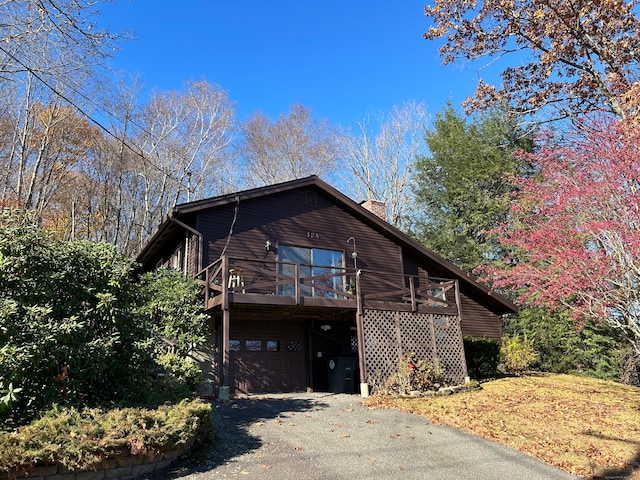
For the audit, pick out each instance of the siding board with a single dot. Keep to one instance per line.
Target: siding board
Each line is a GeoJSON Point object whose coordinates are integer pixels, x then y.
{"type": "Point", "coordinates": [478, 321]}
{"type": "Point", "coordinates": [285, 218]}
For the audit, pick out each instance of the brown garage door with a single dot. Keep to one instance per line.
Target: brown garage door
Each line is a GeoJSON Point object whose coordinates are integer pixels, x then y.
{"type": "Point", "coordinates": [267, 356]}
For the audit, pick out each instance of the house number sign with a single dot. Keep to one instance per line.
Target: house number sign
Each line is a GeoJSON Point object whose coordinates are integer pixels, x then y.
{"type": "Point", "coordinates": [313, 234]}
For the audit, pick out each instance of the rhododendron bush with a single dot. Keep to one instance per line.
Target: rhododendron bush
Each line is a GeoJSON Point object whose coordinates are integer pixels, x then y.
{"type": "Point", "coordinates": [574, 229]}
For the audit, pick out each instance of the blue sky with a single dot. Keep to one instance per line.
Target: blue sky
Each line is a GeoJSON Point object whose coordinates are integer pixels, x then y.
{"type": "Point", "coordinates": [343, 59]}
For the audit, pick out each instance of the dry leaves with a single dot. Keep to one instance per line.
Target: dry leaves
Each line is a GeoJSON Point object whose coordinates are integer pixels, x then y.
{"type": "Point", "coordinates": [585, 426]}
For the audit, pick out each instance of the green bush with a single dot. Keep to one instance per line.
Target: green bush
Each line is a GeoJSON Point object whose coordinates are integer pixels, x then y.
{"type": "Point", "coordinates": [181, 370]}
{"type": "Point", "coordinates": [517, 353]}
{"type": "Point", "coordinates": [67, 328]}
{"type": "Point", "coordinates": [79, 439]}
{"type": "Point", "coordinates": [171, 307]}
{"type": "Point", "coordinates": [564, 347]}
{"type": "Point", "coordinates": [76, 329]}
{"type": "Point", "coordinates": [483, 357]}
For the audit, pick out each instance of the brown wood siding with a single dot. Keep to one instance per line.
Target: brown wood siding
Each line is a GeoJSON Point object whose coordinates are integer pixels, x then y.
{"type": "Point", "coordinates": [287, 218]}
{"type": "Point", "coordinates": [192, 254]}
{"type": "Point", "coordinates": [478, 321]}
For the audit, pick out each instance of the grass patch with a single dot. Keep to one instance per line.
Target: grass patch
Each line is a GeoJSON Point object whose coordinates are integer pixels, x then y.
{"type": "Point", "coordinates": [585, 426]}
{"type": "Point", "coordinates": [80, 439]}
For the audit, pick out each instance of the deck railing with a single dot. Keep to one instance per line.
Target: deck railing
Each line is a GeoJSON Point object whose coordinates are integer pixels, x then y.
{"type": "Point", "coordinates": [273, 281]}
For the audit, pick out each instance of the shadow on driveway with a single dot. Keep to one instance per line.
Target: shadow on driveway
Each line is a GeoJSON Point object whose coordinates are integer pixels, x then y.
{"type": "Point", "coordinates": [232, 424]}
{"type": "Point", "coordinates": [333, 437]}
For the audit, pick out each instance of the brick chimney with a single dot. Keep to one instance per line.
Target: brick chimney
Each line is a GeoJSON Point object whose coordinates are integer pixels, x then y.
{"type": "Point", "coordinates": [376, 207]}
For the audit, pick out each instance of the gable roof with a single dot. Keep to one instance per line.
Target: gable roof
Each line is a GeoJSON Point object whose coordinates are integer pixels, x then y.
{"type": "Point", "coordinates": [173, 224]}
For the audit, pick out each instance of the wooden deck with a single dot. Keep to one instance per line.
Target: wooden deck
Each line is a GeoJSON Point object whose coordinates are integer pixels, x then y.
{"type": "Point", "coordinates": [232, 280]}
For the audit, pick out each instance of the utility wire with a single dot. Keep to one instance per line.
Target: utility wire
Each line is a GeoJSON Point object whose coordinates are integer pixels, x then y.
{"type": "Point", "coordinates": [82, 112]}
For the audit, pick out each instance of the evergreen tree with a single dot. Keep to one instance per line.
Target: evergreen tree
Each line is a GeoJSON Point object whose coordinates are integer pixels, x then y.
{"type": "Point", "coordinates": [460, 186]}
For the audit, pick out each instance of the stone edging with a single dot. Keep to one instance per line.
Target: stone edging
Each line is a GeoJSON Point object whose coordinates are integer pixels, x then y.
{"type": "Point", "coordinates": [123, 467]}
{"type": "Point", "coordinates": [443, 391]}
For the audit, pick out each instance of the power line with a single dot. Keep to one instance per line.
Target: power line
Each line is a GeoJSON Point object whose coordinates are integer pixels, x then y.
{"type": "Point", "coordinates": [82, 112]}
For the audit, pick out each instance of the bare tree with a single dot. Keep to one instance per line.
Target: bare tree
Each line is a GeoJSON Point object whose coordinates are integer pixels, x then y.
{"type": "Point", "coordinates": [294, 146]}
{"type": "Point", "coordinates": [35, 32]}
{"type": "Point", "coordinates": [43, 141]}
{"type": "Point", "coordinates": [380, 157]}
{"type": "Point", "coordinates": [184, 143]}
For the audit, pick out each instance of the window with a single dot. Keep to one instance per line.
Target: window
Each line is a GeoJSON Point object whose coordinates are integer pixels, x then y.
{"type": "Point", "coordinates": [253, 345]}
{"type": "Point", "coordinates": [177, 259]}
{"type": "Point", "coordinates": [435, 292]}
{"type": "Point", "coordinates": [325, 268]}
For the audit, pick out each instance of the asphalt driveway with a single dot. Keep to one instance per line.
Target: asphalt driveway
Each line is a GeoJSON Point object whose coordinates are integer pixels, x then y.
{"type": "Point", "coordinates": [333, 437]}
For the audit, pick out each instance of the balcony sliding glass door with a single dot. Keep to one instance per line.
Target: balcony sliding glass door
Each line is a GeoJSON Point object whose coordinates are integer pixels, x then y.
{"type": "Point", "coordinates": [323, 268]}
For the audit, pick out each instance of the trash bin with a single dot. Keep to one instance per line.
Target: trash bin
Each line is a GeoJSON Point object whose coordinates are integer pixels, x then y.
{"type": "Point", "coordinates": [342, 373]}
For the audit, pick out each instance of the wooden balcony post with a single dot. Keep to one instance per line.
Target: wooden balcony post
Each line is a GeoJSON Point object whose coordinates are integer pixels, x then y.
{"type": "Point", "coordinates": [224, 388]}
{"type": "Point", "coordinates": [296, 287]}
{"type": "Point", "coordinates": [460, 336]}
{"type": "Point", "coordinates": [412, 288]}
{"type": "Point", "coordinates": [207, 288]}
{"type": "Point", "coordinates": [457, 293]}
{"type": "Point", "coordinates": [364, 388]}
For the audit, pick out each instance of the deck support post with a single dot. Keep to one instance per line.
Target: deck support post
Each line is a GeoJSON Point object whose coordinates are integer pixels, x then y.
{"type": "Point", "coordinates": [223, 393]}
{"type": "Point", "coordinates": [364, 388]}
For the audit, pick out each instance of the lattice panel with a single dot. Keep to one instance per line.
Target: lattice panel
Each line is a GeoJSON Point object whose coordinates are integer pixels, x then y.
{"type": "Point", "coordinates": [450, 347]}
{"type": "Point", "coordinates": [380, 343]}
{"type": "Point", "coordinates": [388, 334]}
{"type": "Point", "coordinates": [416, 334]}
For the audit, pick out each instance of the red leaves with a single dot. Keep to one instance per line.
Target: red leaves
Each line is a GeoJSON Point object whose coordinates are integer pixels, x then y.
{"type": "Point", "coordinates": [575, 226]}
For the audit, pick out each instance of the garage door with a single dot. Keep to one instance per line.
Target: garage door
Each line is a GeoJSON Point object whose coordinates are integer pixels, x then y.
{"type": "Point", "coordinates": [267, 356]}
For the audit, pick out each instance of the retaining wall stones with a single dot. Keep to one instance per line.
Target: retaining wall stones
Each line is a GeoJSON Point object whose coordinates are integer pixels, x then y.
{"type": "Point", "coordinates": [123, 467]}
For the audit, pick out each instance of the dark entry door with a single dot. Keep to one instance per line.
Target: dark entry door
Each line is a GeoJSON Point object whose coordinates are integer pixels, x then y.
{"type": "Point", "coordinates": [267, 356]}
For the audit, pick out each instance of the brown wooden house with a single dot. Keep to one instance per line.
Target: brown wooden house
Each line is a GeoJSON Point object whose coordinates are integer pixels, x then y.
{"type": "Point", "coordinates": [307, 289]}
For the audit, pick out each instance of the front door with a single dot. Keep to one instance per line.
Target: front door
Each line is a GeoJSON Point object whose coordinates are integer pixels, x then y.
{"type": "Point", "coordinates": [267, 356]}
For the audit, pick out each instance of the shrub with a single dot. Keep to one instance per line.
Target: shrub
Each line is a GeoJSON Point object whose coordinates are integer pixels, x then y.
{"type": "Point", "coordinates": [76, 329]}
{"type": "Point", "coordinates": [563, 347]}
{"type": "Point", "coordinates": [412, 374]}
{"type": "Point", "coordinates": [79, 439]}
{"type": "Point", "coordinates": [517, 354]}
{"type": "Point", "coordinates": [171, 306]}
{"type": "Point", "coordinates": [67, 328]}
{"type": "Point", "coordinates": [182, 371]}
{"type": "Point", "coordinates": [483, 357]}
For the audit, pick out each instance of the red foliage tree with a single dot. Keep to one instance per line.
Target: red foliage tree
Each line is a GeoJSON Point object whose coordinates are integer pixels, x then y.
{"type": "Point", "coordinates": [574, 229]}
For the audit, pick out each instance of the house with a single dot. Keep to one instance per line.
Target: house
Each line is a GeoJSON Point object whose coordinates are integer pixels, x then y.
{"type": "Point", "coordinates": [307, 289]}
